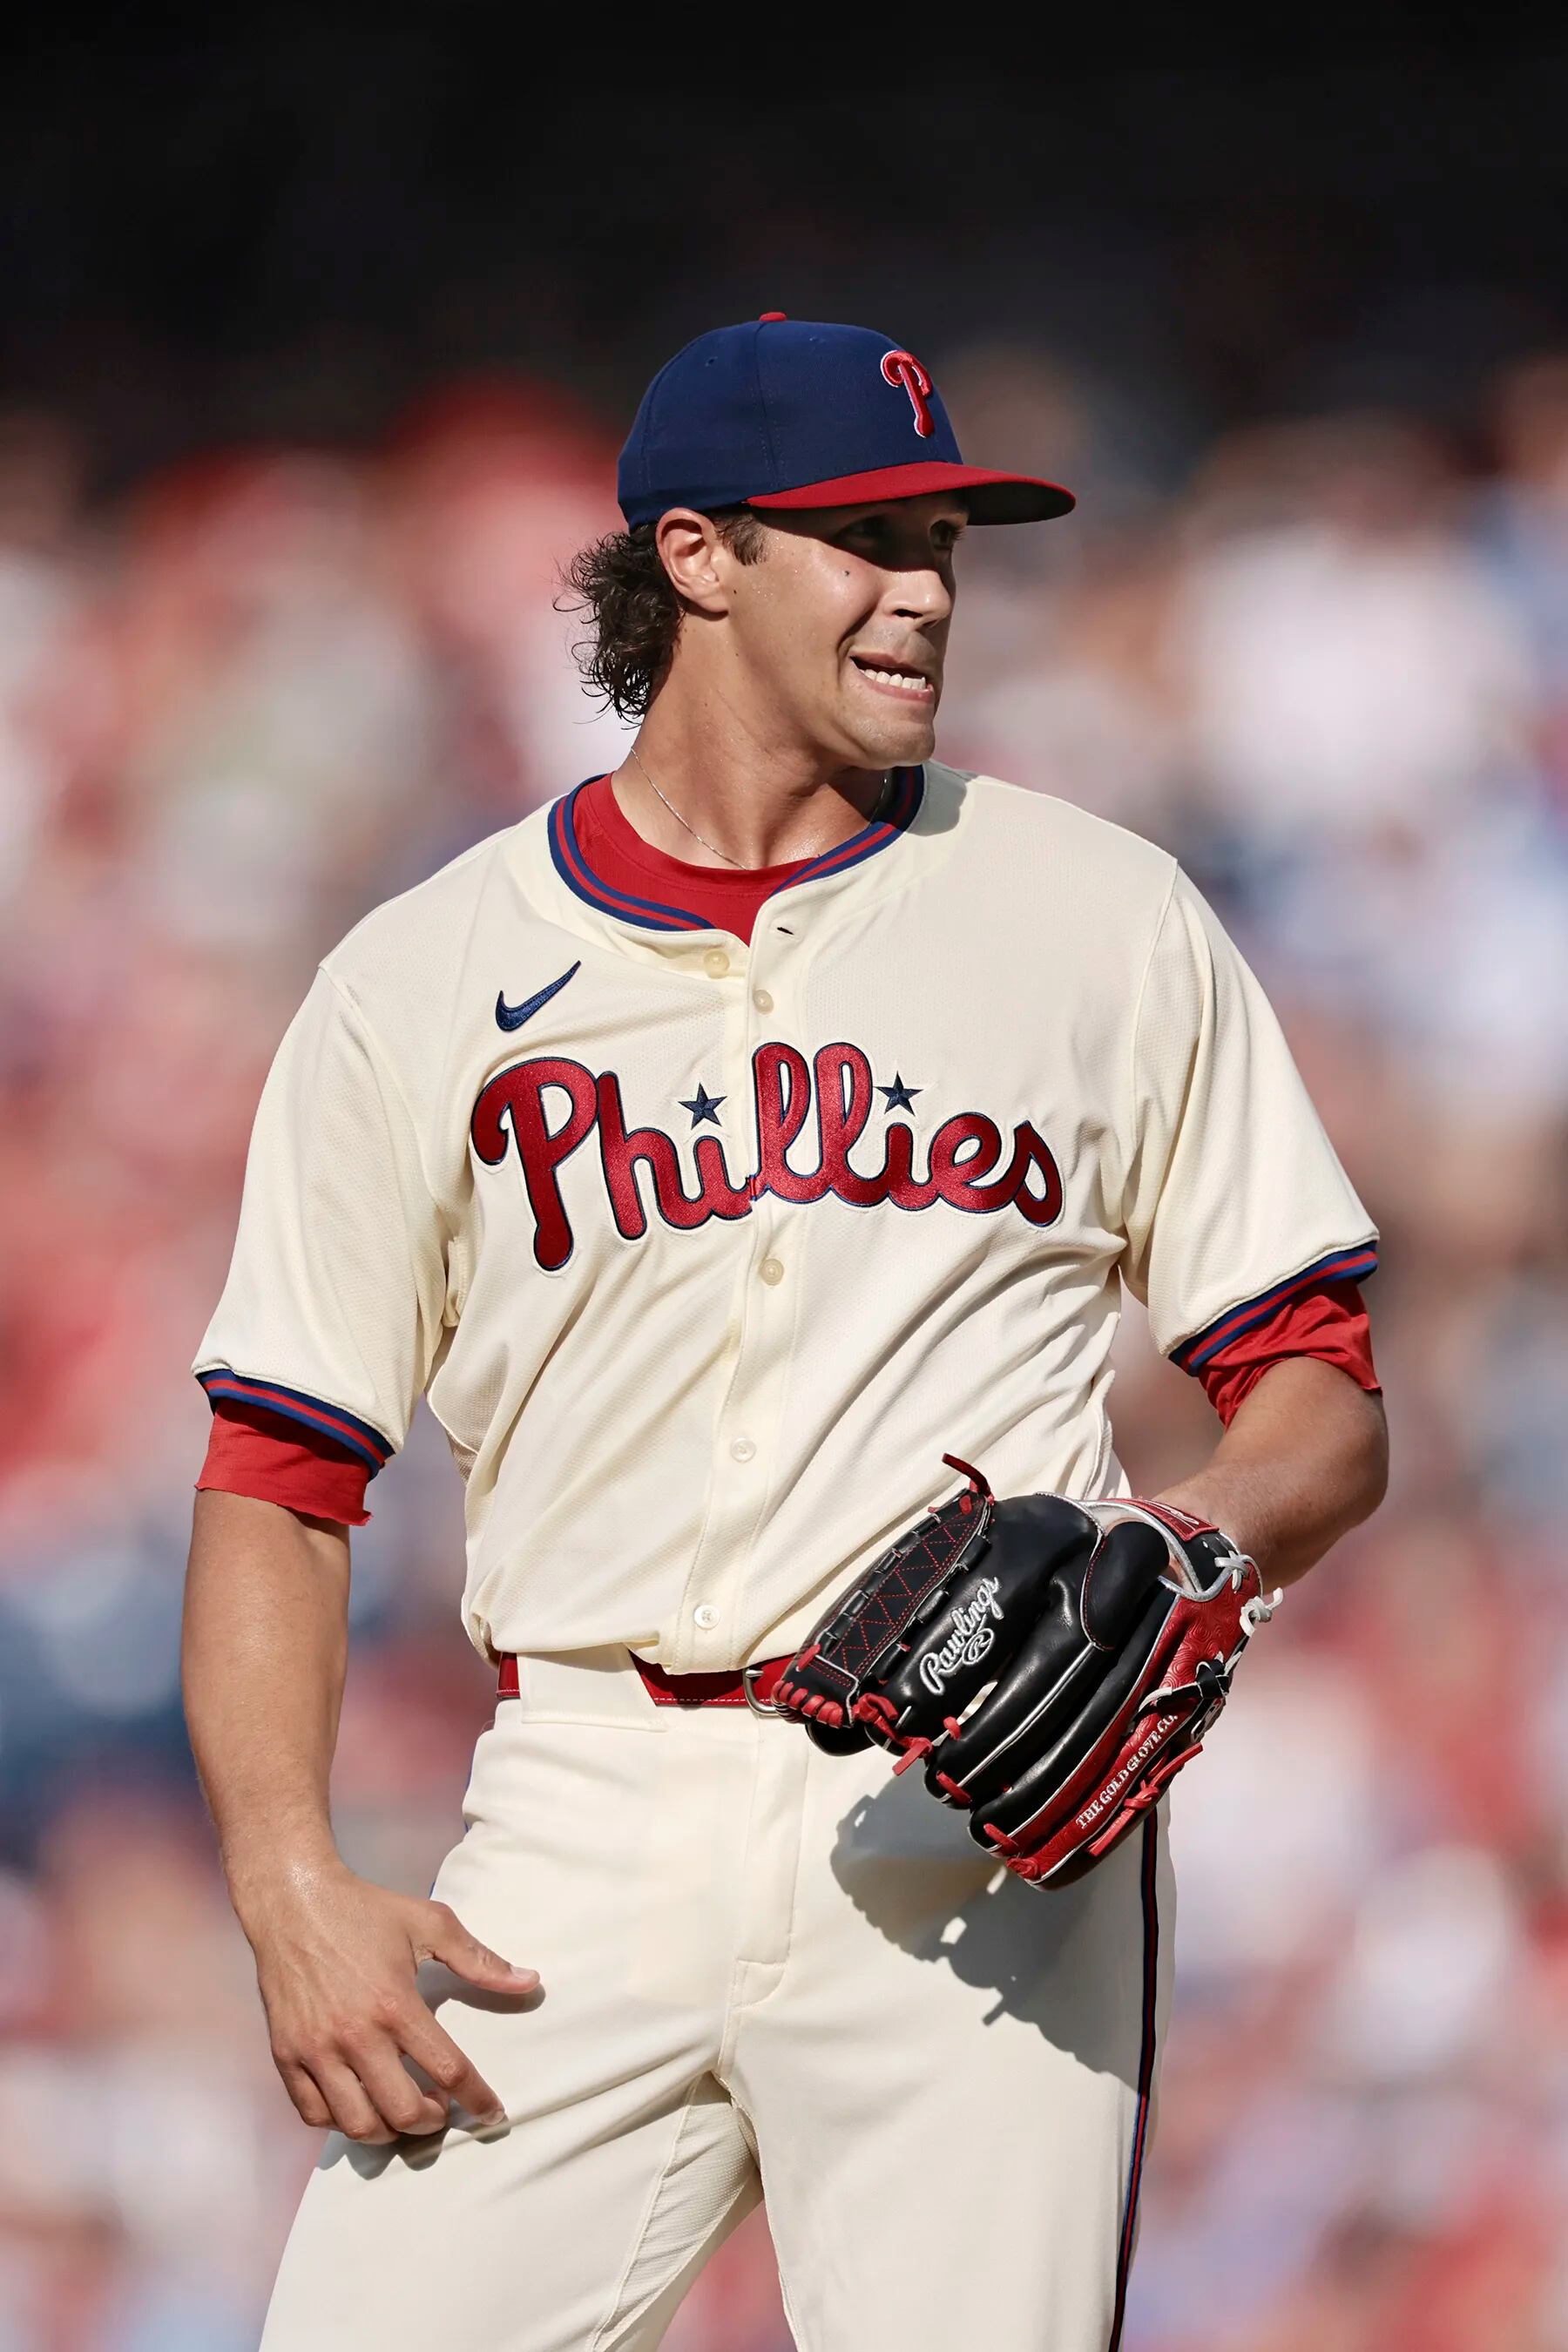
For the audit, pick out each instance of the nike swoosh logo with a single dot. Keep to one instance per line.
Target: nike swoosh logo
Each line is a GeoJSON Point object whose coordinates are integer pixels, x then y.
{"type": "Point", "coordinates": [513, 1016]}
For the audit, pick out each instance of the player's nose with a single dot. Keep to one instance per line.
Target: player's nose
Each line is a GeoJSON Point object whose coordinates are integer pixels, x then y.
{"type": "Point", "coordinates": [920, 596]}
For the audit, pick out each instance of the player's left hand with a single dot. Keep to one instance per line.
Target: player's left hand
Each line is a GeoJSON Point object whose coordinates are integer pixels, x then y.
{"type": "Point", "coordinates": [1054, 1664]}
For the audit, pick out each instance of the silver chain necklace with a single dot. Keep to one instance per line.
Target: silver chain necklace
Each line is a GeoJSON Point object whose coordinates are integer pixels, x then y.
{"type": "Point", "coordinates": [883, 797]}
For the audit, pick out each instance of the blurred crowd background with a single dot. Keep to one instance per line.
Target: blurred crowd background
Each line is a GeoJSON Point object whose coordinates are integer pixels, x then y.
{"type": "Point", "coordinates": [310, 380]}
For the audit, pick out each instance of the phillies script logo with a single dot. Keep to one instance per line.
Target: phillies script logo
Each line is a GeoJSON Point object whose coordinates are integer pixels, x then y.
{"type": "Point", "coordinates": [902, 367]}
{"type": "Point", "coordinates": [968, 1165]}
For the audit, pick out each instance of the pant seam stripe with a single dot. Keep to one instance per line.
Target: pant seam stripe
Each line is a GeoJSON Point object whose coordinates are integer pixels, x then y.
{"type": "Point", "coordinates": [1145, 2073]}
{"type": "Point", "coordinates": [644, 2223]}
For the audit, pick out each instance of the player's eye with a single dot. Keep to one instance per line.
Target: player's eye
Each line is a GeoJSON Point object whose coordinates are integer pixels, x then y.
{"type": "Point", "coordinates": [874, 535]}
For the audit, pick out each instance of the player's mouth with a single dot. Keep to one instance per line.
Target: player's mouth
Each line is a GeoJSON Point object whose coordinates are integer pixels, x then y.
{"type": "Point", "coordinates": [885, 675]}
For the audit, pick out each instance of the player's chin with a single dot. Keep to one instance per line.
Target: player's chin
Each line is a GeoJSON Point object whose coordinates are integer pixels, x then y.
{"type": "Point", "coordinates": [890, 737]}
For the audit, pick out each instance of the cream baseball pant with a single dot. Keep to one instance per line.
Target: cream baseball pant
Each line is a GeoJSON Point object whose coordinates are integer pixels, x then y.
{"type": "Point", "coordinates": [765, 1971]}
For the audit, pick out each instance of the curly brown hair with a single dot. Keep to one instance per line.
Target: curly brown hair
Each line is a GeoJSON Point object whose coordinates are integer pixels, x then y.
{"type": "Point", "coordinates": [633, 612]}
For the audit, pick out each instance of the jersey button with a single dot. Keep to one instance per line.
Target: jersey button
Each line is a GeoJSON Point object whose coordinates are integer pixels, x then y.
{"type": "Point", "coordinates": [705, 1615]}
{"type": "Point", "coordinates": [761, 1000]}
{"type": "Point", "coordinates": [771, 1270]}
{"type": "Point", "coordinates": [715, 963]}
{"type": "Point", "coordinates": [741, 1450]}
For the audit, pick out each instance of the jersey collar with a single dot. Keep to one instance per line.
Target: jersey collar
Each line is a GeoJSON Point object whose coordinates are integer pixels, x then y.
{"type": "Point", "coordinates": [572, 865]}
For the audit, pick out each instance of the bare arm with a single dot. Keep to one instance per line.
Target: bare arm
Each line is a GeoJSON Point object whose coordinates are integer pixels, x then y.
{"type": "Point", "coordinates": [266, 1646]}
{"type": "Point", "coordinates": [1304, 1460]}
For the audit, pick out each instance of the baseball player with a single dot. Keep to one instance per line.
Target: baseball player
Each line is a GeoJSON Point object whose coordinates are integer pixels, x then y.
{"type": "Point", "coordinates": [717, 1149]}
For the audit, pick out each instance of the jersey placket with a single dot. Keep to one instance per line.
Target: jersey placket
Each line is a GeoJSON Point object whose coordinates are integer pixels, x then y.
{"type": "Point", "coordinates": [761, 1315]}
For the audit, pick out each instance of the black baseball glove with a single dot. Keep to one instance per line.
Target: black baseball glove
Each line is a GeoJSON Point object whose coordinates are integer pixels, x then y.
{"type": "Point", "coordinates": [1052, 1664]}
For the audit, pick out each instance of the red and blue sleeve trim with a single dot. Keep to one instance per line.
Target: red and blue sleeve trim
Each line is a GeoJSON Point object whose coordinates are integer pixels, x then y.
{"type": "Point", "coordinates": [582, 878]}
{"type": "Point", "coordinates": [1340, 1266]}
{"type": "Point", "coordinates": [1129, 2232]}
{"type": "Point", "coordinates": [295, 1404]}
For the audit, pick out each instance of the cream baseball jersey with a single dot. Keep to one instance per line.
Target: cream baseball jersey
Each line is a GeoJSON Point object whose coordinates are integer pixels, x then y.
{"type": "Point", "coordinates": [705, 1253]}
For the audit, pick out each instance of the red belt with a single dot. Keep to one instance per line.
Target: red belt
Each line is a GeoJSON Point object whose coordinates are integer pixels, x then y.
{"type": "Point", "coordinates": [746, 1686]}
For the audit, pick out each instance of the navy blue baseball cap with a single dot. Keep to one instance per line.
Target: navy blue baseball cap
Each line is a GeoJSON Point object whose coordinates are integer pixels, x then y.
{"type": "Point", "coordinates": [791, 413]}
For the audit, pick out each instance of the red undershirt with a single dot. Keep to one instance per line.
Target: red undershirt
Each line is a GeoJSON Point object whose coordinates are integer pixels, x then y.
{"type": "Point", "coordinates": [729, 898]}
{"type": "Point", "coordinates": [256, 1453]}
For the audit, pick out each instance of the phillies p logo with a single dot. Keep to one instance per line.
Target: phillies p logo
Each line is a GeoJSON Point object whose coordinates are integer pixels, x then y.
{"type": "Point", "coordinates": [902, 367]}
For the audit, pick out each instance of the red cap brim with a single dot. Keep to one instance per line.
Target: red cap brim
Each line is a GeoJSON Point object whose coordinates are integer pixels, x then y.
{"type": "Point", "coordinates": [991, 497]}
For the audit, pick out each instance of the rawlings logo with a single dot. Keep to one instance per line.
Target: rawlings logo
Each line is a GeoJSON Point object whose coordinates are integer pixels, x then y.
{"type": "Point", "coordinates": [970, 1639]}
{"type": "Point", "coordinates": [903, 368]}
{"type": "Point", "coordinates": [968, 1164]}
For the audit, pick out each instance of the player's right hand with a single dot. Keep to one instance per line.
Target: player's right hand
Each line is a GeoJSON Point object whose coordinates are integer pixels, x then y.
{"type": "Point", "coordinates": [336, 1960]}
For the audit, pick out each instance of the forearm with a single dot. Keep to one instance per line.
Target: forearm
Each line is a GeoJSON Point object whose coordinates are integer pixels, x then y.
{"type": "Point", "coordinates": [264, 1649]}
{"type": "Point", "coordinates": [1304, 1460]}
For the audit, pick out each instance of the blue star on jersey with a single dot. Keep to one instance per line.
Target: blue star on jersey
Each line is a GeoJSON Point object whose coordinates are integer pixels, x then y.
{"type": "Point", "coordinates": [899, 1096]}
{"type": "Point", "coordinates": [702, 1104]}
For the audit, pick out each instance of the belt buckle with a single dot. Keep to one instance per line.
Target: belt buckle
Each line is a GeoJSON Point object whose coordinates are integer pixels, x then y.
{"type": "Point", "coordinates": [757, 1705]}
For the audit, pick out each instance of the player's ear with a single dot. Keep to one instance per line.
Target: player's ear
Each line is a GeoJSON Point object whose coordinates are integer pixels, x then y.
{"type": "Point", "coordinates": [693, 553]}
